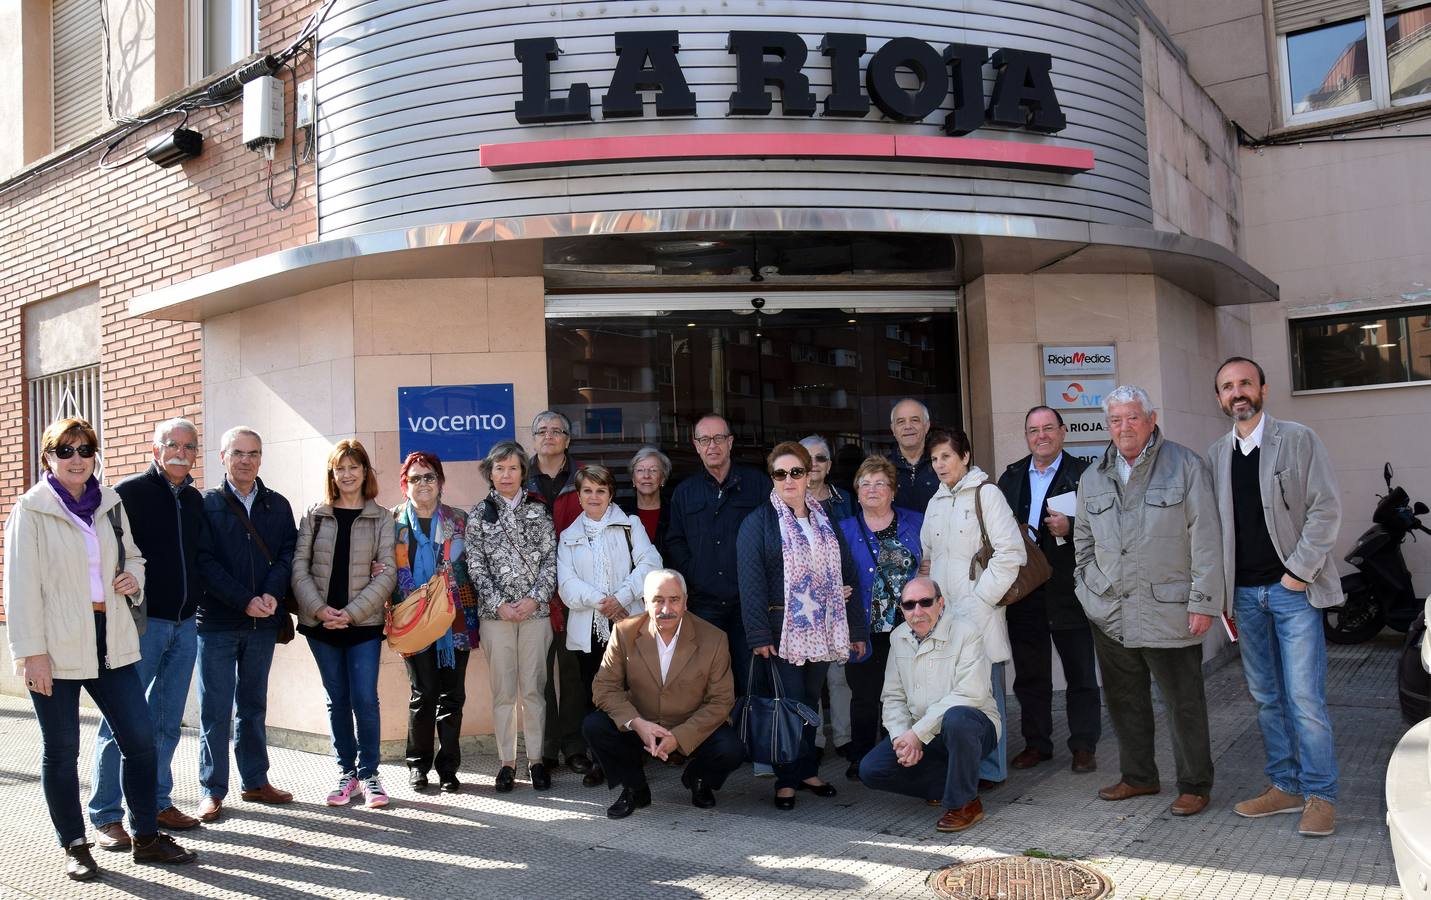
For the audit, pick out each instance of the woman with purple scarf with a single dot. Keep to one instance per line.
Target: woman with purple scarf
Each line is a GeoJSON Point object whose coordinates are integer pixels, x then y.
{"type": "Point", "coordinates": [428, 538]}
{"type": "Point", "coordinates": [797, 602]}
{"type": "Point", "coordinates": [72, 575]}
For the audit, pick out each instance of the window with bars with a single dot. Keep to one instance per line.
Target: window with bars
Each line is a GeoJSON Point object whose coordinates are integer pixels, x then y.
{"type": "Point", "coordinates": [73, 392]}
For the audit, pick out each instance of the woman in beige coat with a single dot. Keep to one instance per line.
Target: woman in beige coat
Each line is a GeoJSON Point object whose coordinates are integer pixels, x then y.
{"type": "Point", "coordinates": [67, 609]}
{"type": "Point", "coordinates": [951, 537]}
{"type": "Point", "coordinates": [343, 572]}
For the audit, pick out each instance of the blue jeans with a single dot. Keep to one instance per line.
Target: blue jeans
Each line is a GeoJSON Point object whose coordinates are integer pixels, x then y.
{"type": "Point", "coordinates": [166, 667]}
{"type": "Point", "coordinates": [995, 764]}
{"type": "Point", "coordinates": [120, 697]}
{"type": "Point", "coordinates": [350, 679]}
{"type": "Point", "coordinates": [1284, 656]}
{"type": "Point", "coordinates": [948, 771]}
{"type": "Point", "coordinates": [233, 671]}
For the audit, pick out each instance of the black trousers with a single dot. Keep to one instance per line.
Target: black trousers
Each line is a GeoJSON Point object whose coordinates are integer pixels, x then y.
{"type": "Point", "coordinates": [866, 682]}
{"type": "Point", "coordinates": [438, 695]}
{"type": "Point", "coordinates": [1127, 673]}
{"type": "Point", "coordinates": [566, 703]}
{"type": "Point", "coordinates": [619, 753]}
{"type": "Point", "coordinates": [1033, 684]}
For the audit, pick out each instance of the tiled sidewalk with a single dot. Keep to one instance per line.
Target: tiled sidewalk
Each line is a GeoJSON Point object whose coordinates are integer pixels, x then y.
{"type": "Point", "coordinates": [560, 845]}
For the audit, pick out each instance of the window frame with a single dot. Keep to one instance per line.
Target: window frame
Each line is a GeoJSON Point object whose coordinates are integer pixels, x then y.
{"type": "Point", "coordinates": [1393, 310]}
{"type": "Point", "coordinates": [197, 29]}
{"type": "Point", "coordinates": [1375, 18]}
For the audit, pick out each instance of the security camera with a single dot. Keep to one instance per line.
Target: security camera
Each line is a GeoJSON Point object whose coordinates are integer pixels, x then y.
{"type": "Point", "coordinates": [757, 302]}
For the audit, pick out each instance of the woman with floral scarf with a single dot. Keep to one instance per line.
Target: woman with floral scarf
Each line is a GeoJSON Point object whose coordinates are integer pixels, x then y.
{"type": "Point", "coordinates": [429, 538]}
{"type": "Point", "coordinates": [797, 602]}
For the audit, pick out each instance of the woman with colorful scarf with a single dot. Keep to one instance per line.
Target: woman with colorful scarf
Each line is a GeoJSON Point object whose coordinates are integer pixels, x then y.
{"type": "Point", "coordinates": [797, 602]}
{"type": "Point", "coordinates": [429, 539]}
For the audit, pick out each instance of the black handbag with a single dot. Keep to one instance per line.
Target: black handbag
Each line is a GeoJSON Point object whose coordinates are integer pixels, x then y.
{"type": "Point", "coordinates": [771, 727]}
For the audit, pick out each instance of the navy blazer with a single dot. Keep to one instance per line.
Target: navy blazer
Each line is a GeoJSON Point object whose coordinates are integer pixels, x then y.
{"type": "Point", "coordinates": [705, 523]}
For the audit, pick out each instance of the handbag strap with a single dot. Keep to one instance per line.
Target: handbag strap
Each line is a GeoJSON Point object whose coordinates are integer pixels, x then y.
{"type": "Point", "coordinates": [118, 537]}
{"type": "Point", "coordinates": [242, 514]}
{"type": "Point", "coordinates": [774, 675]}
{"type": "Point", "coordinates": [986, 549]}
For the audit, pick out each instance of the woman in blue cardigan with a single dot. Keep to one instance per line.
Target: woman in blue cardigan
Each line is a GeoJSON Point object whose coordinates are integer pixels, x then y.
{"type": "Point", "coordinates": [884, 543]}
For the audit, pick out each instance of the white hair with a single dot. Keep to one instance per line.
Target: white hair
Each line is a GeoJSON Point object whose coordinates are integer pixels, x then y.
{"type": "Point", "coordinates": [1128, 393]}
{"type": "Point", "coordinates": [650, 452]}
{"type": "Point", "coordinates": [164, 428]}
{"type": "Point", "coordinates": [551, 415]}
{"type": "Point", "coordinates": [811, 441]}
{"type": "Point", "coordinates": [234, 434]}
{"type": "Point", "coordinates": [654, 579]}
{"type": "Point", "coordinates": [920, 403]}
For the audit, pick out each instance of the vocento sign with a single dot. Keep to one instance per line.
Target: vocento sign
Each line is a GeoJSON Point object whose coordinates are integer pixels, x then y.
{"type": "Point", "coordinates": [454, 421]}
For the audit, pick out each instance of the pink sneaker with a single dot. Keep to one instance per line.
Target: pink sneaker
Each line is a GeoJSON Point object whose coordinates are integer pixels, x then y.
{"type": "Point", "coordinates": [377, 797]}
{"type": "Point", "coordinates": [347, 786]}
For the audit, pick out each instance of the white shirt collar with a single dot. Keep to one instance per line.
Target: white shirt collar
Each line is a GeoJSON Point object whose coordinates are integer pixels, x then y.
{"type": "Point", "coordinates": [1253, 440]}
{"type": "Point", "coordinates": [667, 651]}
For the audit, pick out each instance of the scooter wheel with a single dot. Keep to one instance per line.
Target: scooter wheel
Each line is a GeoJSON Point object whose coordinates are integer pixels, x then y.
{"type": "Point", "coordinates": [1360, 619]}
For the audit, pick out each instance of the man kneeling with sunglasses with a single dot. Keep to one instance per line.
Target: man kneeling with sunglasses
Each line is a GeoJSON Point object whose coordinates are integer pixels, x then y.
{"type": "Point", "coordinates": [938, 709]}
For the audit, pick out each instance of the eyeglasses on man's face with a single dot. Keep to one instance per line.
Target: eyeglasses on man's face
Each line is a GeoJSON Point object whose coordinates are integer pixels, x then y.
{"type": "Point", "coordinates": [241, 455]}
{"type": "Point", "coordinates": [171, 446]}
{"type": "Point", "coordinates": [909, 605]}
{"type": "Point", "coordinates": [796, 473]}
{"type": "Point", "coordinates": [706, 440]}
{"type": "Point", "coordinates": [85, 451]}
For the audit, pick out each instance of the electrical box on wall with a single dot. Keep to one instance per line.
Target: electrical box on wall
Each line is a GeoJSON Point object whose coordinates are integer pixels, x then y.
{"type": "Point", "coordinates": [262, 112]}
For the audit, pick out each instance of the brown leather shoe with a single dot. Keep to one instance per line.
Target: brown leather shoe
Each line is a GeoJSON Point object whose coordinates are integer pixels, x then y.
{"type": "Point", "coordinates": [1189, 804]}
{"type": "Point", "coordinates": [1084, 762]}
{"type": "Point", "coordinates": [1123, 790]}
{"type": "Point", "coordinates": [210, 808]}
{"type": "Point", "coordinates": [1029, 758]}
{"type": "Point", "coordinates": [966, 816]}
{"type": "Point", "coordinates": [112, 837]}
{"type": "Point", "coordinates": [267, 794]}
{"type": "Point", "coordinates": [175, 819]}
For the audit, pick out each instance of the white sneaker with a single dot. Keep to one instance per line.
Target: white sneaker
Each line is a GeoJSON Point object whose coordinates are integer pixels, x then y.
{"type": "Point", "coordinates": [377, 797]}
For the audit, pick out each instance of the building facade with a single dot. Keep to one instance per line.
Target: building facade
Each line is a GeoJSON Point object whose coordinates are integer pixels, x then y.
{"type": "Point", "coordinates": [792, 213]}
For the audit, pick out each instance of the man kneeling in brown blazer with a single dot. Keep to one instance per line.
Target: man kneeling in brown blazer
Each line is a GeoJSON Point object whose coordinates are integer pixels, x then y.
{"type": "Point", "coordinates": [664, 687]}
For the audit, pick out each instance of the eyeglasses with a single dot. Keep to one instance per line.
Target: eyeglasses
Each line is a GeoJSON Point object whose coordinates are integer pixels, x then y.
{"type": "Point", "coordinates": [821, 458]}
{"type": "Point", "coordinates": [241, 455]}
{"type": "Point", "coordinates": [873, 485]}
{"type": "Point", "coordinates": [909, 605]}
{"type": "Point", "coordinates": [549, 432]}
{"type": "Point", "coordinates": [424, 478]}
{"type": "Point", "coordinates": [796, 473]}
{"type": "Point", "coordinates": [705, 440]}
{"type": "Point", "coordinates": [175, 445]}
{"type": "Point", "coordinates": [65, 451]}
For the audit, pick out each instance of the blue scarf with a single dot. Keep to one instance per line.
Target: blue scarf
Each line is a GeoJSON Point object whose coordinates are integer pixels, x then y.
{"type": "Point", "coordinates": [424, 566]}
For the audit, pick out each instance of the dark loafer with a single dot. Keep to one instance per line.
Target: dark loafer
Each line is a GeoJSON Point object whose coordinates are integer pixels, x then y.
{"type": "Point", "coordinates": [1029, 758]}
{"type": "Point", "coordinates": [852, 772]}
{"type": "Point", "coordinates": [449, 784]}
{"type": "Point", "coordinates": [819, 790]}
{"type": "Point", "coordinates": [417, 780]}
{"type": "Point", "coordinates": [541, 781]}
{"type": "Point", "coordinates": [594, 778]}
{"type": "Point", "coordinates": [267, 794]}
{"type": "Point", "coordinates": [579, 763]}
{"type": "Point", "coordinates": [1084, 761]}
{"type": "Point", "coordinates": [702, 797]}
{"type": "Point", "coordinates": [985, 785]}
{"type": "Point", "coordinates": [1123, 790]}
{"type": "Point", "coordinates": [506, 778]}
{"type": "Point", "coordinates": [631, 799]}
{"type": "Point", "coordinates": [79, 863]}
{"type": "Point", "coordinates": [175, 819]}
{"type": "Point", "coordinates": [162, 849]}
{"type": "Point", "coordinates": [1189, 804]}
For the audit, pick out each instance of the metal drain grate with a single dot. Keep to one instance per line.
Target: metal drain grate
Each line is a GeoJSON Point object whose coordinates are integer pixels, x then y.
{"type": "Point", "coordinates": [1021, 878]}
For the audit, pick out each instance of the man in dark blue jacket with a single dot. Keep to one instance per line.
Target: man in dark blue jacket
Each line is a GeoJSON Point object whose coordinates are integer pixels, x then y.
{"type": "Point", "coordinates": [246, 567]}
{"type": "Point", "coordinates": [166, 515]}
{"type": "Point", "coordinates": [909, 422]}
{"type": "Point", "coordinates": [706, 512]}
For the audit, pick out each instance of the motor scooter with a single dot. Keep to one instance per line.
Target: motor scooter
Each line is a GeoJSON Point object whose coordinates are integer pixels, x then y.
{"type": "Point", "coordinates": [1379, 592]}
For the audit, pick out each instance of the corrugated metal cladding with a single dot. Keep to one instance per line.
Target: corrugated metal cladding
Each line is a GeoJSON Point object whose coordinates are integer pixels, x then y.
{"type": "Point", "coordinates": [409, 89]}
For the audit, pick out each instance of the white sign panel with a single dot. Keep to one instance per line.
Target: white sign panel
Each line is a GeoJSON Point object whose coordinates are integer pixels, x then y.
{"type": "Point", "coordinates": [1086, 426]}
{"type": "Point", "coordinates": [1090, 452]}
{"type": "Point", "coordinates": [1077, 393]}
{"type": "Point", "coordinates": [1082, 360]}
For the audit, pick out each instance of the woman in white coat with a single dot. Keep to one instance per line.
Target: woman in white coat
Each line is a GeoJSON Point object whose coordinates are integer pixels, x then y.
{"type": "Point", "coordinates": [951, 538]}
{"type": "Point", "coordinates": [602, 562]}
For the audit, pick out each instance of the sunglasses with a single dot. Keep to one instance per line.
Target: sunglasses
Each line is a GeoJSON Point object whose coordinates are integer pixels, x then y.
{"type": "Point", "coordinates": [821, 458]}
{"type": "Point", "coordinates": [425, 478]}
{"type": "Point", "coordinates": [909, 605]}
{"type": "Point", "coordinates": [65, 451]}
{"type": "Point", "coordinates": [796, 473]}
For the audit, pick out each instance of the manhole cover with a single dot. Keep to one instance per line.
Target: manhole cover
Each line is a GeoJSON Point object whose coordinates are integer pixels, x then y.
{"type": "Point", "coordinates": [1021, 878]}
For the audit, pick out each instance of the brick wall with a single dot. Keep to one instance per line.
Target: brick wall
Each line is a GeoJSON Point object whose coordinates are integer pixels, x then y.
{"type": "Point", "coordinates": [130, 231]}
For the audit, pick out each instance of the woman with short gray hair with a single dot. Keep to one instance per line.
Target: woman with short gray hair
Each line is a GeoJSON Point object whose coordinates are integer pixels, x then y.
{"type": "Point", "coordinates": [650, 470]}
{"type": "Point", "coordinates": [511, 556]}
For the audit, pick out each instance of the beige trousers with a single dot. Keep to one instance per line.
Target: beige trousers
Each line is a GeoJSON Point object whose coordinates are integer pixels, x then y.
{"type": "Point", "coordinates": [517, 670]}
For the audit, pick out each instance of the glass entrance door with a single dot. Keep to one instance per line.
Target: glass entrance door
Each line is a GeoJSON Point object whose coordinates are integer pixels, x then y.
{"type": "Point", "coordinates": [626, 381]}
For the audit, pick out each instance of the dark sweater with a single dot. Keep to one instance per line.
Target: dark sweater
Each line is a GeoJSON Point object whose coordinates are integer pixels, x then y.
{"type": "Point", "coordinates": [1257, 560]}
{"type": "Point", "coordinates": [169, 530]}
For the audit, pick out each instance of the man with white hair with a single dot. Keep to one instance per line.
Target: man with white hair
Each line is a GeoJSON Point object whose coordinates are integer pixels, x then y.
{"type": "Point", "coordinates": [664, 687]}
{"type": "Point", "coordinates": [1148, 572]}
{"type": "Point", "coordinates": [166, 514]}
{"type": "Point", "coordinates": [909, 422]}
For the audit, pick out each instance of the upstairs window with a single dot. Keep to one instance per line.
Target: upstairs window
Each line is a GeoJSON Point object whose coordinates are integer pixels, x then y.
{"type": "Point", "coordinates": [226, 31]}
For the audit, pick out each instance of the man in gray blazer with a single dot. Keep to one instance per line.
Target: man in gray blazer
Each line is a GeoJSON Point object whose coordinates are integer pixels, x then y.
{"type": "Point", "coordinates": [1278, 502]}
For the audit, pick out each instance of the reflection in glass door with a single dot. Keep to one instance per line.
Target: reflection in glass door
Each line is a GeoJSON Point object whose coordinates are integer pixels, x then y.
{"type": "Point", "coordinates": [634, 380]}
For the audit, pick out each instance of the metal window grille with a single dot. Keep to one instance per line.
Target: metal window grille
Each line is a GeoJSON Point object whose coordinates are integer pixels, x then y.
{"type": "Point", "coordinates": [74, 392]}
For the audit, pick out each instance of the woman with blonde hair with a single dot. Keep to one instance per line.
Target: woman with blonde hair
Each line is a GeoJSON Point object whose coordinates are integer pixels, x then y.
{"type": "Point", "coordinates": [344, 571]}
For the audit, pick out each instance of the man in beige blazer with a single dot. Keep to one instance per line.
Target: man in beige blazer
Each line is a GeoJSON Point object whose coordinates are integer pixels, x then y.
{"type": "Point", "coordinates": [664, 688]}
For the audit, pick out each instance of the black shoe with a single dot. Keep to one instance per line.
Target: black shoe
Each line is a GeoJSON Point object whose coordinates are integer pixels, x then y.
{"type": "Point", "coordinates": [417, 780]}
{"type": "Point", "coordinates": [784, 802]}
{"type": "Point", "coordinates": [819, 790]}
{"type": "Point", "coordinates": [79, 864]}
{"type": "Point", "coordinates": [853, 771]}
{"type": "Point", "coordinates": [161, 849]}
{"type": "Point", "coordinates": [844, 750]}
{"type": "Point", "coordinates": [579, 763]}
{"type": "Point", "coordinates": [449, 784]}
{"type": "Point", "coordinates": [506, 778]}
{"type": "Point", "coordinates": [631, 799]}
{"type": "Point", "coordinates": [541, 781]}
{"type": "Point", "coordinates": [594, 778]}
{"type": "Point", "coordinates": [702, 797]}
{"type": "Point", "coordinates": [985, 785]}
{"type": "Point", "coordinates": [551, 762]}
